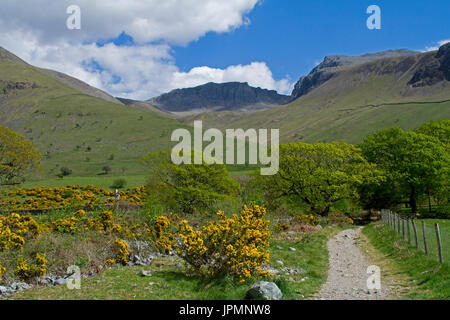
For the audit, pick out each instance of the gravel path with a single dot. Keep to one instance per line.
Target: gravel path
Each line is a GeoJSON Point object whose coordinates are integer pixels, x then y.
{"type": "Point", "coordinates": [347, 276]}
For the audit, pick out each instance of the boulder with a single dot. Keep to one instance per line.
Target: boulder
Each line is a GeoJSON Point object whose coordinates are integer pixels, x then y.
{"type": "Point", "coordinates": [264, 291]}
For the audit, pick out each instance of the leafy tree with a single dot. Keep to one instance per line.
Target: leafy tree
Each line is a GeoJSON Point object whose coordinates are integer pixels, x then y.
{"type": "Point", "coordinates": [319, 175]}
{"type": "Point", "coordinates": [65, 171]}
{"type": "Point", "coordinates": [188, 187]}
{"type": "Point", "coordinates": [413, 163]}
{"type": "Point", "coordinates": [438, 129]}
{"type": "Point", "coordinates": [119, 183]}
{"type": "Point", "coordinates": [17, 157]}
{"type": "Point", "coordinates": [441, 131]}
{"type": "Point", "coordinates": [106, 169]}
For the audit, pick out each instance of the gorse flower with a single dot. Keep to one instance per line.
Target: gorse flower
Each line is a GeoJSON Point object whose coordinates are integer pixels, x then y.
{"type": "Point", "coordinates": [70, 196]}
{"type": "Point", "coordinates": [27, 271]}
{"type": "Point", "coordinates": [236, 245]}
{"type": "Point", "coordinates": [122, 252]}
{"type": "Point", "coordinates": [2, 271]}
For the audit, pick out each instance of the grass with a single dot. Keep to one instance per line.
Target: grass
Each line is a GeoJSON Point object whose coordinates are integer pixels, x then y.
{"type": "Point", "coordinates": [311, 255]}
{"type": "Point", "coordinates": [79, 131]}
{"type": "Point", "coordinates": [347, 107]}
{"type": "Point", "coordinates": [105, 181]}
{"type": "Point", "coordinates": [430, 279]}
{"type": "Point", "coordinates": [430, 232]}
{"type": "Point", "coordinates": [170, 280]}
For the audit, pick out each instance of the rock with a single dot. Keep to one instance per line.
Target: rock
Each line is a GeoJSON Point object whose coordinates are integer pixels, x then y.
{"type": "Point", "coordinates": [145, 273]}
{"type": "Point", "coordinates": [5, 291]}
{"type": "Point", "coordinates": [19, 286]}
{"type": "Point", "coordinates": [265, 291]}
{"type": "Point", "coordinates": [292, 249]}
{"type": "Point", "coordinates": [281, 263]}
{"type": "Point", "coordinates": [60, 281]}
{"type": "Point", "coordinates": [229, 96]}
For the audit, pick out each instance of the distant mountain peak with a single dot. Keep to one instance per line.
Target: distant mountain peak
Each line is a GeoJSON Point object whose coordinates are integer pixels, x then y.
{"type": "Point", "coordinates": [230, 96]}
{"type": "Point", "coordinates": [331, 64]}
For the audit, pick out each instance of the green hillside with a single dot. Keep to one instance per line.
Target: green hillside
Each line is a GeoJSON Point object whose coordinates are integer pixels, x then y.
{"type": "Point", "coordinates": [76, 130]}
{"type": "Point", "coordinates": [356, 102]}
{"type": "Point", "coordinates": [77, 126]}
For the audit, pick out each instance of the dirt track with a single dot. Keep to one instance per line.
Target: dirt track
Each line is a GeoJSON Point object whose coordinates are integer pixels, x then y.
{"type": "Point", "coordinates": [347, 276]}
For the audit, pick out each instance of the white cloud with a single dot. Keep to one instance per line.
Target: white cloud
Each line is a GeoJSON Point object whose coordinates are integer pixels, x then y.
{"type": "Point", "coordinates": [138, 72]}
{"type": "Point", "coordinates": [174, 21]}
{"type": "Point", "coordinates": [257, 74]}
{"type": "Point", "coordinates": [436, 47]}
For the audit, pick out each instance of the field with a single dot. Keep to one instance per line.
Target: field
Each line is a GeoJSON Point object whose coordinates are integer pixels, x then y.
{"type": "Point", "coordinates": [87, 133]}
{"type": "Point", "coordinates": [427, 279]}
{"type": "Point", "coordinates": [430, 231]}
{"type": "Point", "coordinates": [105, 182]}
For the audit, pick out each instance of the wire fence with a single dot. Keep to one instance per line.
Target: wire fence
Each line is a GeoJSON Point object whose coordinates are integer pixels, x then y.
{"type": "Point", "coordinates": [426, 236]}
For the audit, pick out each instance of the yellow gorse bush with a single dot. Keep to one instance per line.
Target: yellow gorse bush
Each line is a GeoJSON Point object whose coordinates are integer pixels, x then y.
{"type": "Point", "coordinates": [27, 271]}
{"type": "Point", "coordinates": [308, 219]}
{"type": "Point", "coordinates": [122, 251]}
{"type": "Point", "coordinates": [52, 198]}
{"type": "Point", "coordinates": [237, 245]}
{"type": "Point", "coordinates": [15, 230]}
{"type": "Point", "coordinates": [339, 218]}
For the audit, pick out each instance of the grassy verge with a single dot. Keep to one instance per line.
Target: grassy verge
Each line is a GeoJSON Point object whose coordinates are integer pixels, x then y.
{"type": "Point", "coordinates": [430, 279]}
{"type": "Point", "coordinates": [311, 255]}
{"type": "Point", "coordinates": [170, 281]}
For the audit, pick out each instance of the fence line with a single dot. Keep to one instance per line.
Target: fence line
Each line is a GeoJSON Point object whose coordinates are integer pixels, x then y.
{"type": "Point", "coordinates": [433, 241]}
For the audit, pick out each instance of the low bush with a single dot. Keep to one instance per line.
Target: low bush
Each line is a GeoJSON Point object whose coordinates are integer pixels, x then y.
{"type": "Point", "coordinates": [236, 245]}
{"type": "Point", "coordinates": [119, 183]}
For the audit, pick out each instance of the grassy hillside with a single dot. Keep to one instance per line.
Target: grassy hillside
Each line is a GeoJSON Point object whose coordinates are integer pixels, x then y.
{"type": "Point", "coordinates": [358, 101]}
{"type": "Point", "coordinates": [76, 130]}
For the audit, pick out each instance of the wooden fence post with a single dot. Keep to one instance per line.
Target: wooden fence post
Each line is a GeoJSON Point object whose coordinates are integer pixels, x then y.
{"type": "Point", "coordinates": [395, 221]}
{"type": "Point", "coordinates": [438, 238]}
{"type": "Point", "coordinates": [403, 228]}
{"type": "Point", "coordinates": [424, 238]}
{"type": "Point", "coordinates": [390, 219]}
{"type": "Point", "coordinates": [415, 233]}
{"type": "Point", "coordinates": [409, 232]}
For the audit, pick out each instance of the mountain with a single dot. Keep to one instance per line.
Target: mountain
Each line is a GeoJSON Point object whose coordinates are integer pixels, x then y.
{"type": "Point", "coordinates": [75, 125]}
{"type": "Point", "coordinates": [331, 66]}
{"type": "Point", "coordinates": [74, 83]}
{"type": "Point", "coordinates": [358, 99]}
{"type": "Point", "coordinates": [219, 97]}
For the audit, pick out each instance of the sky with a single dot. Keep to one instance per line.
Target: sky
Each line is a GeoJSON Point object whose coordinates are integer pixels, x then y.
{"type": "Point", "coordinates": [139, 49]}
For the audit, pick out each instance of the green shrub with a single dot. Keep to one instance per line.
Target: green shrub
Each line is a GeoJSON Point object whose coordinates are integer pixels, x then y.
{"type": "Point", "coordinates": [119, 183]}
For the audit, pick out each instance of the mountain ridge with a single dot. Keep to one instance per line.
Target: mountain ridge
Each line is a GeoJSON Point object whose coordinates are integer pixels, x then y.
{"type": "Point", "coordinates": [332, 64]}
{"type": "Point", "coordinates": [219, 97]}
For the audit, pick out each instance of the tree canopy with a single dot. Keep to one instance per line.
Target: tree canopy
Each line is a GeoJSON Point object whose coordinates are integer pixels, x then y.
{"type": "Point", "coordinates": [17, 157]}
{"type": "Point", "coordinates": [414, 163]}
{"type": "Point", "coordinates": [319, 174]}
{"type": "Point", "coordinates": [188, 187]}
{"type": "Point", "coordinates": [438, 129]}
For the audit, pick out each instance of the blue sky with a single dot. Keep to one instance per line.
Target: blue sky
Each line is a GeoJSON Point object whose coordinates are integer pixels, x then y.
{"type": "Point", "coordinates": [157, 46]}
{"type": "Point", "coordinates": [291, 36]}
